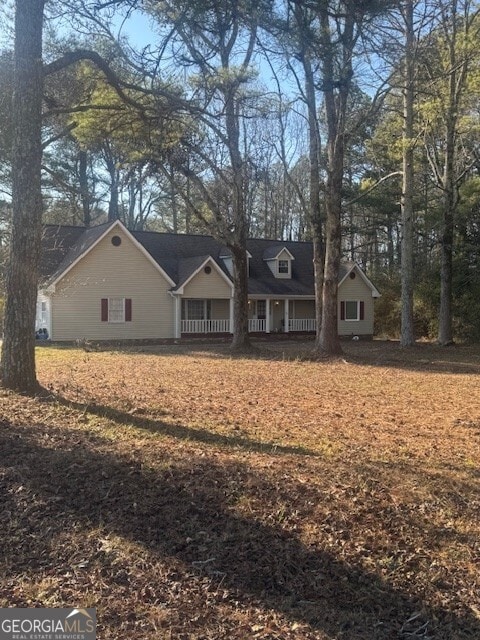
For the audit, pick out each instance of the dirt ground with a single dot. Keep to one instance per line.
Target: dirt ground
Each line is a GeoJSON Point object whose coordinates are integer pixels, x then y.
{"type": "Point", "coordinates": [191, 495]}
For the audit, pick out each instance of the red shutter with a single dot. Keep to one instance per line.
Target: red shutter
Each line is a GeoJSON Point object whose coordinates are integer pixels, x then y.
{"type": "Point", "coordinates": [362, 310]}
{"type": "Point", "coordinates": [128, 309]}
{"type": "Point", "coordinates": [342, 310]}
{"type": "Point", "coordinates": [104, 309]}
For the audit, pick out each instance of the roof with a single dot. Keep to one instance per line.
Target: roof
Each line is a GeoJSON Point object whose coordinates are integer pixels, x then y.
{"type": "Point", "coordinates": [273, 251]}
{"type": "Point", "coordinates": [180, 256]}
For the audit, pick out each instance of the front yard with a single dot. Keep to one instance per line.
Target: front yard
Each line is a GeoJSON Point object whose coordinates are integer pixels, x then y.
{"type": "Point", "coordinates": [190, 495]}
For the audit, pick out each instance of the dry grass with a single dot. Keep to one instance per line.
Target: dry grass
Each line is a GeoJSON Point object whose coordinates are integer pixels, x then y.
{"type": "Point", "coordinates": [191, 495]}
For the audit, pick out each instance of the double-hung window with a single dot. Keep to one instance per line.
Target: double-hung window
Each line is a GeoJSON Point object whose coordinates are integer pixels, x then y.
{"type": "Point", "coordinates": [352, 310]}
{"type": "Point", "coordinates": [283, 266]}
{"type": "Point", "coordinates": [116, 310]}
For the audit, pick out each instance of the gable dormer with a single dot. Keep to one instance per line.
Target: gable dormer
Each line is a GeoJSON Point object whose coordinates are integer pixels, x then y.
{"type": "Point", "coordinates": [279, 260]}
{"type": "Point", "coordinates": [227, 258]}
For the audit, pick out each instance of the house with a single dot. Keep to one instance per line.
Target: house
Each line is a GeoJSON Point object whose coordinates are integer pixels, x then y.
{"type": "Point", "coordinates": [109, 283]}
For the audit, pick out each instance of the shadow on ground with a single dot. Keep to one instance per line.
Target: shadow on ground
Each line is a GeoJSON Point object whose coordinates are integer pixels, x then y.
{"type": "Point", "coordinates": [182, 432]}
{"type": "Point", "coordinates": [184, 511]}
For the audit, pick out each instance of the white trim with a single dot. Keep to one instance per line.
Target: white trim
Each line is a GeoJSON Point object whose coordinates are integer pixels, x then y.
{"type": "Point", "coordinates": [266, 296]}
{"type": "Point", "coordinates": [210, 260]}
{"type": "Point", "coordinates": [375, 292]}
{"type": "Point", "coordinates": [284, 248]}
{"type": "Point", "coordinates": [138, 245]}
{"type": "Point", "coordinates": [177, 317]}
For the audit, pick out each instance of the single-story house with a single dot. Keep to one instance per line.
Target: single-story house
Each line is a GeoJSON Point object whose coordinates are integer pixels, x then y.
{"type": "Point", "coordinates": [109, 283]}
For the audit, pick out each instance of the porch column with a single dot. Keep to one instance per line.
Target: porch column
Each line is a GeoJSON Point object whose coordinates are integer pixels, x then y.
{"type": "Point", "coordinates": [231, 315]}
{"type": "Point", "coordinates": [286, 315]}
{"type": "Point", "coordinates": [267, 315]}
{"type": "Point", "coordinates": [177, 317]}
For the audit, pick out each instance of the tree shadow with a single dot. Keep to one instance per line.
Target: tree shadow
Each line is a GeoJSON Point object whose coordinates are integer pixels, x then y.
{"type": "Point", "coordinates": [186, 510]}
{"type": "Point", "coordinates": [182, 432]}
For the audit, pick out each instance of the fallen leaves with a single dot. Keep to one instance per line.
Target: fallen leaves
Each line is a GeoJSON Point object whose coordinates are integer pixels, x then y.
{"type": "Point", "coordinates": [191, 495]}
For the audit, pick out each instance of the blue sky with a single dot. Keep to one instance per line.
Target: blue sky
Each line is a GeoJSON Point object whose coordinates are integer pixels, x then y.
{"type": "Point", "coordinates": [137, 28]}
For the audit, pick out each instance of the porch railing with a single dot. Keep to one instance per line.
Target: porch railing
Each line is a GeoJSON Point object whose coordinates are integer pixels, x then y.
{"type": "Point", "coordinates": [302, 324]}
{"type": "Point", "coordinates": [255, 325]}
{"type": "Point", "coordinates": [205, 326]}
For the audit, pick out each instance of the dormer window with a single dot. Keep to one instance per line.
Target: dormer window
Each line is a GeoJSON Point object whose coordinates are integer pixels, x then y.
{"type": "Point", "coordinates": [227, 258]}
{"type": "Point", "coordinates": [279, 260]}
{"type": "Point", "coordinates": [284, 266]}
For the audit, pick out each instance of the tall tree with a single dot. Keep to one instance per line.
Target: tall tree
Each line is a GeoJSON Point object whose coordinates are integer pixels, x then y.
{"type": "Point", "coordinates": [447, 110]}
{"type": "Point", "coordinates": [407, 337]}
{"type": "Point", "coordinates": [340, 24]}
{"type": "Point", "coordinates": [216, 43]}
{"type": "Point", "coordinates": [17, 364]}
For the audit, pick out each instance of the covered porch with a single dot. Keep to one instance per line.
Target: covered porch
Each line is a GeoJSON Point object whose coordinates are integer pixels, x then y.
{"type": "Point", "coordinates": [265, 315]}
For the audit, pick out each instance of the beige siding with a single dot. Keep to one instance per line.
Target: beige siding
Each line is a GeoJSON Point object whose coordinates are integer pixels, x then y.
{"type": "Point", "coordinates": [109, 271]}
{"type": "Point", "coordinates": [356, 289]}
{"type": "Point", "coordinates": [220, 309]}
{"type": "Point", "coordinates": [207, 285]}
{"type": "Point", "coordinates": [303, 309]}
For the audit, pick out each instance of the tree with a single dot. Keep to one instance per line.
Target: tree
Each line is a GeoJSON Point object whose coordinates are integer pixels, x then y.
{"type": "Point", "coordinates": [340, 26]}
{"type": "Point", "coordinates": [452, 94]}
{"type": "Point", "coordinates": [17, 364]}
{"type": "Point", "coordinates": [215, 42]}
{"type": "Point", "coordinates": [407, 337]}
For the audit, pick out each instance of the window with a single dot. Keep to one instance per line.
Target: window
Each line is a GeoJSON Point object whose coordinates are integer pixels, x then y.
{"type": "Point", "coordinates": [283, 266]}
{"type": "Point", "coordinates": [195, 309]}
{"type": "Point", "coordinates": [352, 310]}
{"type": "Point", "coordinates": [261, 309]}
{"type": "Point", "coordinates": [116, 310]}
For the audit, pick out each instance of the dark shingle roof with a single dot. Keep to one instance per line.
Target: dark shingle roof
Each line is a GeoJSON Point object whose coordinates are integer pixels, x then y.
{"type": "Point", "coordinates": [272, 251]}
{"type": "Point", "coordinates": [181, 255]}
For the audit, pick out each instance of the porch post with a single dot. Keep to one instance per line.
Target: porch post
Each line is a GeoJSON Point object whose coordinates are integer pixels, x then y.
{"type": "Point", "coordinates": [231, 315]}
{"type": "Point", "coordinates": [267, 316]}
{"type": "Point", "coordinates": [177, 317]}
{"type": "Point", "coordinates": [286, 315]}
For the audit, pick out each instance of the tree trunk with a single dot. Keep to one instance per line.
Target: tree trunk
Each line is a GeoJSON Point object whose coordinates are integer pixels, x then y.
{"type": "Point", "coordinates": [113, 212]}
{"type": "Point", "coordinates": [329, 342]}
{"type": "Point", "coordinates": [315, 209]}
{"type": "Point", "coordinates": [241, 338]}
{"type": "Point", "coordinates": [445, 329]}
{"type": "Point", "coordinates": [407, 337]}
{"type": "Point", "coordinates": [84, 191]}
{"type": "Point", "coordinates": [18, 351]}
{"type": "Point", "coordinates": [456, 86]}
{"type": "Point", "coordinates": [336, 87]}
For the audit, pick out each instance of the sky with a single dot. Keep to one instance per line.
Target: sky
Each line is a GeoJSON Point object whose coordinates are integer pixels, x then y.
{"type": "Point", "coordinates": [137, 28]}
